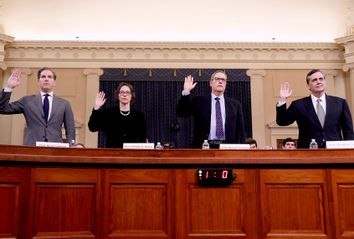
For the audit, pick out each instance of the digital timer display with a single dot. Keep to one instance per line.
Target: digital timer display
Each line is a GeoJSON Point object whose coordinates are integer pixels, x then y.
{"type": "Point", "coordinates": [215, 174]}
{"type": "Point", "coordinates": [215, 177]}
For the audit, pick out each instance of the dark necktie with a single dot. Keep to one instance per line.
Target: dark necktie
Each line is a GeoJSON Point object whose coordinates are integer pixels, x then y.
{"type": "Point", "coordinates": [46, 107]}
{"type": "Point", "coordinates": [219, 131]}
{"type": "Point", "coordinates": [320, 112]}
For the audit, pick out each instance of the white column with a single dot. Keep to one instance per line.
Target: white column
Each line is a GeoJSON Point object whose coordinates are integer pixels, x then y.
{"type": "Point", "coordinates": [351, 90]}
{"type": "Point", "coordinates": [348, 43]}
{"type": "Point", "coordinates": [257, 105]}
{"type": "Point", "coordinates": [92, 87]}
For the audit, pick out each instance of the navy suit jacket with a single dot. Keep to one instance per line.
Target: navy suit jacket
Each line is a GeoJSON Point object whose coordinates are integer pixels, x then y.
{"type": "Point", "coordinates": [200, 108]}
{"type": "Point", "coordinates": [338, 123]}
{"type": "Point", "coordinates": [37, 129]}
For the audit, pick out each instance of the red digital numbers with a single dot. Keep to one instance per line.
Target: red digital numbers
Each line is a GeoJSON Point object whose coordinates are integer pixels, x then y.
{"type": "Point", "coordinates": [221, 174]}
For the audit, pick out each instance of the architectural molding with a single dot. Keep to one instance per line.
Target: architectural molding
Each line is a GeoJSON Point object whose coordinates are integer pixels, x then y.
{"type": "Point", "coordinates": [348, 43]}
{"type": "Point", "coordinates": [81, 54]}
{"type": "Point", "coordinates": [4, 40]}
{"type": "Point", "coordinates": [93, 72]}
{"type": "Point", "coordinates": [256, 73]}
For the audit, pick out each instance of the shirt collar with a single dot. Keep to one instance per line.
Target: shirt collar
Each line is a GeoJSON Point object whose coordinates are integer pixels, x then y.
{"type": "Point", "coordinates": [314, 98]}
{"type": "Point", "coordinates": [49, 93]}
{"type": "Point", "coordinates": [221, 97]}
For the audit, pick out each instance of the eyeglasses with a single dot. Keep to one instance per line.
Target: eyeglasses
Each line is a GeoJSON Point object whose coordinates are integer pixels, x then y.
{"type": "Point", "coordinates": [219, 79]}
{"type": "Point", "coordinates": [125, 93]}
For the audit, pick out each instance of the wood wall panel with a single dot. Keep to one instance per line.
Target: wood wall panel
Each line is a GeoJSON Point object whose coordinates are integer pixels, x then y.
{"type": "Point", "coordinates": [294, 204]}
{"type": "Point", "coordinates": [13, 188]}
{"type": "Point", "coordinates": [9, 212]}
{"type": "Point", "coordinates": [210, 212]}
{"type": "Point", "coordinates": [125, 194]}
{"type": "Point", "coordinates": [343, 194]}
{"type": "Point", "coordinates": [66, 203]}
{"type": "Point", "coordinates": [139, 203]}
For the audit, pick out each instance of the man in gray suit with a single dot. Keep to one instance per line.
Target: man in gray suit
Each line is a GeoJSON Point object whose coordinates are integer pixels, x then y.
{"type": "Point", "coordinates": [44, 113]}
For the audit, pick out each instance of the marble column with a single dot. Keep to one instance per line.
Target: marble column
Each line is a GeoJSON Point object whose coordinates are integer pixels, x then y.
{"type": "Point", "coordinates": [351, 89]}
{"type": "Point", "coordinates": [348, 43]}
{"type": "Point", "coordinates": [257, 105]}
{"type": "Point", "coordinates": [92, 87]}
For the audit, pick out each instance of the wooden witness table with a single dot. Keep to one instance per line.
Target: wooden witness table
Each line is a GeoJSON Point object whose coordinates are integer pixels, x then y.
{"type": "Point", "coordinates": [107, 193]}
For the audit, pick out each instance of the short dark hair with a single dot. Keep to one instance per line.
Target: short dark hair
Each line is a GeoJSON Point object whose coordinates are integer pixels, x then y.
{"type": "Point", "coordinates": [251, 141]}
{"type": "Point", "coordinates": [289, 140]}
{"type": "Point", "coordinates": [311, 73]}
{"type": "Point", "coordinates": [46, 69]}
{"type": "Point", "coordinates": [132, 92]}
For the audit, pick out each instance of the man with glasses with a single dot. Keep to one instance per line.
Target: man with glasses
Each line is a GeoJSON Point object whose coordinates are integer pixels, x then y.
{"type": "Point", "coordinates": [217, 118]}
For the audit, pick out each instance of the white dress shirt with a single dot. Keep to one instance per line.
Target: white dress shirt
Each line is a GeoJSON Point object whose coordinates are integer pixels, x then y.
{"type": "Point", "coordinates": [212, 132]}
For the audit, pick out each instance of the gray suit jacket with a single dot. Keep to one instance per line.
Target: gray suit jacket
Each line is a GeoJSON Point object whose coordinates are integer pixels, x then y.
{"type": "Point", "coordinates": [37, 129]}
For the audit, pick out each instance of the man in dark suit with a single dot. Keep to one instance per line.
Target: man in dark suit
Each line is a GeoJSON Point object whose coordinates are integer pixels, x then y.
{"type": "Point", "coordinates": [319, 116]}
{"type": "Point", "coordinates": [43, 123]}
{"type": "Point", "coordinates": [216, 117]}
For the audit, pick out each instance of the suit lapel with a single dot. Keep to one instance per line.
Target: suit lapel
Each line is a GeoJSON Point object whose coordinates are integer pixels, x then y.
{"type": "Point", "coordinates": [39, 108]}
{"type": "Point", "coordinates": [208, 109]}
{"type": "Point", "coordinates": [312, 112]}
{"type": "Point", "coordinates": [313, 115]}
{"type": "Point", "coordinates": [227, 109]}
{"type": "Point", "coordinates": [54, 107]}
{"type": "Point", "coordinates": [330, 107]}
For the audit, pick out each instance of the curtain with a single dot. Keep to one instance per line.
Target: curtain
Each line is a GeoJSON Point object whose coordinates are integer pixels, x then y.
{"type": "Point", "coordinates": [157, 93]}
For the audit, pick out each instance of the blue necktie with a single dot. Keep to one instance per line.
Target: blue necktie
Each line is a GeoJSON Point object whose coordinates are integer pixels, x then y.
{"type": "Point", "coordinates": [46, 107]}
{"type": "Point", "coordinates": [219, 131]}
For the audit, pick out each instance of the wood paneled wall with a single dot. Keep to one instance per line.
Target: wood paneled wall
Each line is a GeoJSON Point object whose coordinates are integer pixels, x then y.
{"type": "Point", "coordinates": [87, 193]}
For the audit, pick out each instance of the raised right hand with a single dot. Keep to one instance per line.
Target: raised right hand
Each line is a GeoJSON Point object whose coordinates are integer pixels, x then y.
{"type": "Point", "coordinates": [285, 91]}
{"type": "Point", "coordinates": [189, 83]}
{"type": "Point", "coordinates": [15, 79]}
{"type": "Point", "coordinates": [100, 100]}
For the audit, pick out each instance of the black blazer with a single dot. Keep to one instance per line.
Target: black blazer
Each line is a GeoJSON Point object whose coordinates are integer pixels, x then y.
{"type": "Point", "coordinates": [338, 123]}
{"type": "Point", "coordinates": [200, 108]}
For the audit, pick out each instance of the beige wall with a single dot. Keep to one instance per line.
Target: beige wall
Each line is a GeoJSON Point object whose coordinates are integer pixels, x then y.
{"type": "Point", "coordinates": [78, 64]}
{"type": "Point", "coordinates": [71, 85]}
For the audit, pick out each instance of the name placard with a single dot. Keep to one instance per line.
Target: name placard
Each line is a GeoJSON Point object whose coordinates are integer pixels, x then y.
{"type": "Point", "coordinates": [138, 146]}
{"type": "Point", "coordinates": [340, 144]}
{"type": "Point", "coordinates": [52, 144]}
{"type": "Point", "coordinates": [234, 146]}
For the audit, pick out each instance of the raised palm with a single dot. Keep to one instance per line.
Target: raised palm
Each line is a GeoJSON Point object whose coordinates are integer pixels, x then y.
{"type": "Point", "coordinates": [189, 83]}
{"type": "Point", "coordinates": [15, 79]}
{"type": "Point", "coordinates": [285, 90]}
{"type": "Point", "coordinates": [100, 100]}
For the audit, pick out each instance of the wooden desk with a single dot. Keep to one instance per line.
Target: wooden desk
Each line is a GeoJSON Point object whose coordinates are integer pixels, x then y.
{"type": "Point", "coordinates": [106, 193]}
